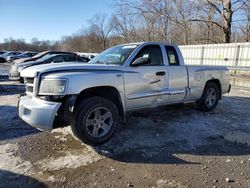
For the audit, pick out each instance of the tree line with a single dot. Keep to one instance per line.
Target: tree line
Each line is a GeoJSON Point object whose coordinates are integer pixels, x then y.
{"type": "Point", "coordinates": [183, 22]}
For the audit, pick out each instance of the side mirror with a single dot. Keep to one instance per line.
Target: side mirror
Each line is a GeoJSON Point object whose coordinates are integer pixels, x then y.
{"type": "Point", "coordinates": [141, 61]}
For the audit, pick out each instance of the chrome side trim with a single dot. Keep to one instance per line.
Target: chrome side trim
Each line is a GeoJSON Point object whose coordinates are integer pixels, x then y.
{"type": "Point", "coordinates": [156, 93]}
{"type": "Point", "coordinates": [148, 94]}
{"type": "Point", "coordinates": [174, 92]}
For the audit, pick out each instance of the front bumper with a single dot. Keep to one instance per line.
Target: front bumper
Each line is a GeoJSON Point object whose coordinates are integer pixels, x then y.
{"type": "Point", "coordinates": [38, 113]}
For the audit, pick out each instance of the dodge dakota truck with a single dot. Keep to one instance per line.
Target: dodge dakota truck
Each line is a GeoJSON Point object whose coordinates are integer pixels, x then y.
{"type": "Point", "coordinates": [96, 96]}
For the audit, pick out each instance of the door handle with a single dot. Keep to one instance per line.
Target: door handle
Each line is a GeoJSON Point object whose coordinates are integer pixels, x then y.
{"type": "Point", "coordinates": [161, 73]}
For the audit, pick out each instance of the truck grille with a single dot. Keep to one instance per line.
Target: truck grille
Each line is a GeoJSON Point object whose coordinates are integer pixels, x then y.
{"type": "Point", "coordinates": [30, 80]}
{"type": "Point", "coordinates": [29, 85]}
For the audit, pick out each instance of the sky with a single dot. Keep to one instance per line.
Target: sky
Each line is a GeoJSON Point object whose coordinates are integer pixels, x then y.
{"type": "Point", "coordinates": [47, 19]}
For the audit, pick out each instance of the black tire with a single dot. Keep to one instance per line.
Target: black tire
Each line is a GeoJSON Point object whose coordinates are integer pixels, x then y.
{"type": "Point", "coordinates": [2, 60]}
{"type": "Point", "coordinates": [21, 80]}
{"type": "Point", "coordinates": [84, 110]}
{"type": "Point", "coordinates": [203, 104]}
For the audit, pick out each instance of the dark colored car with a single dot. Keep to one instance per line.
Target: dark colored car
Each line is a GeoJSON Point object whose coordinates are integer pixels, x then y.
{"type": "Point", "coordinates": [3, 57]}
{"type": "Point", "coordinates": [23, 55]}
{"type": "Point", "coordinates": [85, 59]}
{"type": "Point", "coordinates": [40, 55]}
{"type": "Point", "coordinates": [15, 69]}
{"type": "Point", "coordinates": [2, 52]}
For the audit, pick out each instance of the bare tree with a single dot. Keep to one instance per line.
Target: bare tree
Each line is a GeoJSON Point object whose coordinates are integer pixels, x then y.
{"type": "Point", "coordinates": [99, 30]}
{"type": "Point", "coordinates": [224, 9]}
{"type": "Point", "coordinates": [183, 11]}
{"type": "Point", "coordinates": [178, 21]}
{"type": "Point", "coordinates": [245, 25]}
{"type": "Point", "coordinates": [124, 23]}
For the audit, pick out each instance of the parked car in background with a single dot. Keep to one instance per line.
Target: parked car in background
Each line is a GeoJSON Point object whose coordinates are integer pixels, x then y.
{"type": "Point", "coordinates": [40, 55]}
{"type": "Point", "coordinates": [87, 55]}
{"type": "Point", "coordinates": [15, 69]}
{"type": "Point", "coordinates": [23, 55]}
{"type": "Point", "coordinates": [84, 59]}
{"type": "Point", "coordinates": [2, 52]}
{"type": "Point", "coordinates": [3, 57]}
{"type": "Point", "coordinates": [96, 96]}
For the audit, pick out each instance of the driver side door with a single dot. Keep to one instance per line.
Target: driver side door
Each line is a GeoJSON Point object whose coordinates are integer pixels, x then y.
{"type": "Point", "coordinates": [146, 85]}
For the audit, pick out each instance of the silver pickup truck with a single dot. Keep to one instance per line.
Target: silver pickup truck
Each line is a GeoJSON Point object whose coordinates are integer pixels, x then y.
{"type": "Point", "coordinates": [96, 96]}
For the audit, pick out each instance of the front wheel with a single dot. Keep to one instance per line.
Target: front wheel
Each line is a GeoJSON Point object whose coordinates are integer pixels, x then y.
{"type": "Point", "coordinates": [209, 98]}
{"type": "Point", "coordinates": [95, 120]}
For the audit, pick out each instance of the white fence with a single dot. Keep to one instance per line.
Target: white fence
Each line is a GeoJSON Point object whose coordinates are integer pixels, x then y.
{"type": "Point", "coordinates": [233, 54]}
{"type": "Point", "coordinates": [236, 56]}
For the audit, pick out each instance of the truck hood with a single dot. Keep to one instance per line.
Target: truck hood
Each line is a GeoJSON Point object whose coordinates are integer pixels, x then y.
{"type": "Point", "coordinates": [17, 61]}
{"type": "Point", "coordinates": [66, 67]}
{"type": "Point", "coordinates": [27, 64]}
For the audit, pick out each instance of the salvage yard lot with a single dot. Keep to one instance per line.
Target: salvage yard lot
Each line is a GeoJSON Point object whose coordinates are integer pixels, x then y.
{"type": "Point", "coordinates": [174, 146]}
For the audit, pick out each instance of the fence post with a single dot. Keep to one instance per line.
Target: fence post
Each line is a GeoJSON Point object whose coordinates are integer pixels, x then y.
{"type": "Point", "coordinates": [202, 55]}
{"type": "Point", "coordinates": [237, 54]}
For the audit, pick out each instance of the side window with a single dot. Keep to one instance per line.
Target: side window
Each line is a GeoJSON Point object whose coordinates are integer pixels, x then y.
{"type": "Point", "coordinates": [58, 59]}
{"type": "Point", "coordinates": [50, 60]}
{"type": "Point", "coordinates": [69, 58]}
{"type": "Point", "coordinates": [153, 52]}
{"type": "Point", "coordinates": [172, 56]}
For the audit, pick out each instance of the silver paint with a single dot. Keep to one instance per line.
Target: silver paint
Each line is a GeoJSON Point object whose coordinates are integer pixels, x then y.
{"type": "Point", "coordinates": [139, 87]}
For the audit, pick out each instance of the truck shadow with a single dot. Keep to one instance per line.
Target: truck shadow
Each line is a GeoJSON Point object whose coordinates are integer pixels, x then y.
{"type": "Point", "coordinates": [158, 135]}
{"type": "Point", "coordinates": [10, 179]}
{"type": "Point", "coordinates": [4, 77]}
{"type": "Point", "coordinates": [11, 126]}
{"type": "Point", "coordinates": [11, 89]}
{"type": "Point", "coordinates": [155, 136]}
{"type": "Point", "coordinates": [4, 93]}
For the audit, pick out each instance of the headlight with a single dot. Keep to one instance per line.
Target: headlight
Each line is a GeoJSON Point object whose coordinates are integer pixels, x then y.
{"type": "Point", "coordinates": [52, 87]}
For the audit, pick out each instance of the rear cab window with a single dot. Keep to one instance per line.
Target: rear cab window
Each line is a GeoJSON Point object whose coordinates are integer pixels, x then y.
{"type": "Point", "coordinates": [58, 59]}
{"type": "Point", "coordinates": [172, 55]}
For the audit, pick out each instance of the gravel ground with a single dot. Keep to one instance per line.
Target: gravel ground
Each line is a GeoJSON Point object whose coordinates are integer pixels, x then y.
{"type": "Point", "coordinates": [174, 146]}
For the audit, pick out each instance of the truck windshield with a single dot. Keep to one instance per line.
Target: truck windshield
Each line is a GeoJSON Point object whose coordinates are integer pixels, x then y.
{"type": "Point", "coordinates": [46, 57]}
{"type": "Point", "coordinates": [116, 55]}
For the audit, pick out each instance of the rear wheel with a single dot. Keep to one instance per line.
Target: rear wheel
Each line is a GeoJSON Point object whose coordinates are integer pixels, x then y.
{"type": "Point", "coordinates": [209, 98]}
{"type": "Point", "coordinates": [21, 80]}
{"type": "Point", "coordinates": [95, 120]}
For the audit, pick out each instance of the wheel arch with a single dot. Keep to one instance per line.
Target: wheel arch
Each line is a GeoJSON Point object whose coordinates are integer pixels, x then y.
{"type": "Point", "coordinates": [109, 92]}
